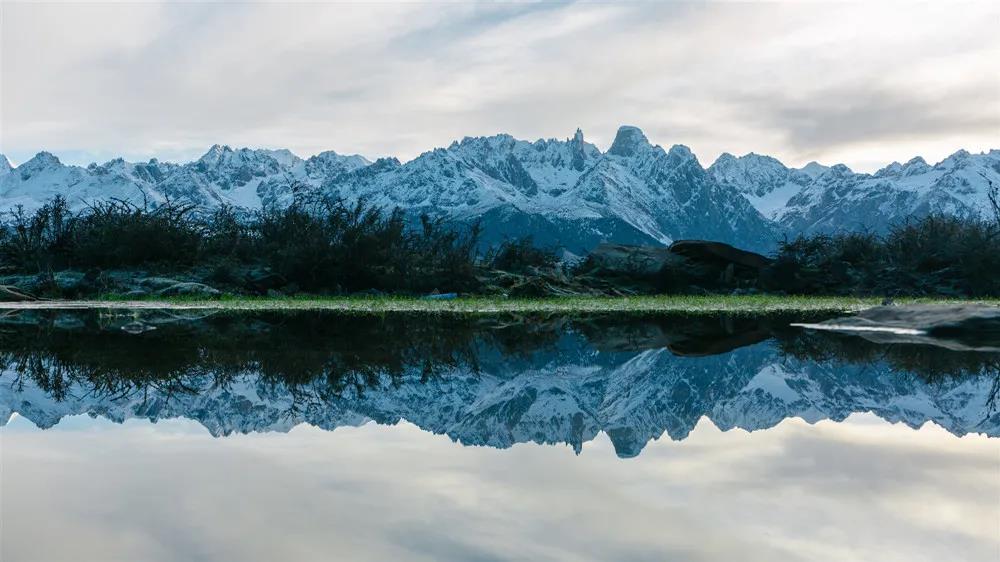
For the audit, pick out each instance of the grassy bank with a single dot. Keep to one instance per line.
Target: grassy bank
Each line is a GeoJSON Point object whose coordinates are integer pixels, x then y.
{"type": "Point", "coordinates": [743, 304]}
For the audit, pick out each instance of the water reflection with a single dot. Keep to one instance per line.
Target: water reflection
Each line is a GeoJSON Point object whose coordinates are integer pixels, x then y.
{"type": "Point", "coordinates": [493, 381]}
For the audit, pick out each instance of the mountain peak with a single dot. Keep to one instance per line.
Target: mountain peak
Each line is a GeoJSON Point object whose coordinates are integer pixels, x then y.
{"type": "Point", "coordinates": [283, 156]}
{"type": "Point", "coordinates": [814, 169]}
{"type": "Point", "coordinates": [42, 160]}
{"type": "Point", "coordinates": [5, 165]}
{"type": "Point", "coordinates": [628, 142]}
{"type": "Point", "coordinates": [215, 152]}
{"type": "Point", "coordinates": [956, 160]}
{"type": "Point", "coordinates": [724, 159]}
{"type": "Point", "coordinates": [680, 152]}
{"type": "Point", "coordinates": [578, 136]}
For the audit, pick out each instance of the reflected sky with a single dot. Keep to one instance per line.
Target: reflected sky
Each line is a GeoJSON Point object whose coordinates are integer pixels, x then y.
{"type": "Point", "coordinates": [327, 437]}
{"type": "Point", "coordinates": [90, 489]}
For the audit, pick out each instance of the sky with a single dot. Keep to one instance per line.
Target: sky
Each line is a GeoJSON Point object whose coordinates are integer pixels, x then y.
{"type": "Point", "coordinates": [859, 83]}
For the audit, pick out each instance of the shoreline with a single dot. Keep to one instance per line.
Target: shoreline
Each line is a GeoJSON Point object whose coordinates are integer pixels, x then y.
{"type": "Point", "coordinates": [743, 304]}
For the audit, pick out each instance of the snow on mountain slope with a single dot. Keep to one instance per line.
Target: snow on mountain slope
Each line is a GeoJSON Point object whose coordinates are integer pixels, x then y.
{"type": "Point", "coordinates": [764, 181]}
{"type": "Point", "coordinates": [5, 165]}
{"type": "Point", "coordinates": [43, 177]}
{"type": "Point", "coordinates": [564, 193]}
{"type": "Point", "coordinates": [221, 176]}
{"type": "Point", "coordinates": [668, 195]}
{"type": "Point", "coordinates": [840, 199]}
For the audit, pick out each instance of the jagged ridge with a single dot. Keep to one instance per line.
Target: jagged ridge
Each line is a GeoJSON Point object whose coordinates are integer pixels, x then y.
{"type": "Point", "coordinates": [565, 193]}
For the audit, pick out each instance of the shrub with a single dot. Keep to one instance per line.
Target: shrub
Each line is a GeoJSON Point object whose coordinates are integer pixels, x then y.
{"type": "Point", "coordinates": [933, 255]}
{"type": "Point", "coordinates": [37, 242]}
{"type": "Point", "coordinates": [117, 233]}
{"type": "Point", "coordinates": [520, 254]}
{"type": "Point", "coordinates": [320, 245]}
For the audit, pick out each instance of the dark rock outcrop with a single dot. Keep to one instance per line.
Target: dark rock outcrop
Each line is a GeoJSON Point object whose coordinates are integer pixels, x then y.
{"type": "Point", "coordinates": [622, 259]}
{"type": "Point", "coordinates": [718, 254]}
{"type": "Point", "coordinates": [189, 289]}
{"type": "Point", "coordinates": [961, 327]}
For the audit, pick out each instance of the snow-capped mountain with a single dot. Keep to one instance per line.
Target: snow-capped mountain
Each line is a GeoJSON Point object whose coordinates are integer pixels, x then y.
{"type": "Point", "coordinates": [764, 181]}
{"type": "Point", "coordinates": [565, 193]}
{"type": "Point", "coordinates": [842, 200]}
{"type": "Point", "coordinates": [820, 199]}
{"type": "Point", "coordinates": [241, 177]}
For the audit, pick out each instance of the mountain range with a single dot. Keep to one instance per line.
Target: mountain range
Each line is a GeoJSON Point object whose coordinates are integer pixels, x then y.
{"type": "Point", "coordinates": [564, 193]}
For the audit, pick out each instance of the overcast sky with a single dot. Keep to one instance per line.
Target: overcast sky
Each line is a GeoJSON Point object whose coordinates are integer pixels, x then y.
{"type": "Point", "coordinates": [862, 84]}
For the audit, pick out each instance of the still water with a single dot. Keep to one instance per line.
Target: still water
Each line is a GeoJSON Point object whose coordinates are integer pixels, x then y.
{"type": "Point", "coordinates": [192, 436]}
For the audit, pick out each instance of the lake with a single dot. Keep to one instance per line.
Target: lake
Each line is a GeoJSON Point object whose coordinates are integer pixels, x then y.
{"type": "Point", "coordinates": [198, 435]}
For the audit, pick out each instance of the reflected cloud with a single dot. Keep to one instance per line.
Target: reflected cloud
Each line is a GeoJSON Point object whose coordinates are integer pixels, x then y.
{"type": "Point", "coordinates": [795, 492]}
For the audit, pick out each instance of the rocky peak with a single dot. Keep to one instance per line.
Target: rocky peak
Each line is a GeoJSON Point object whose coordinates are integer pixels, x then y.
{"type": "Point", "coordinates": [725, 160]}
{"type": "Point", "coordinates": [388, 163]}
{"type": "Point", "coordinates": [331, 156]}
{"type": "Point", "coordinates": [215, 153]}
{"type": "Point", "coordinates": [750, 174]}
{"type": "Point", "coordinates": [628, 142]}
{"type": "Point", "coordinates": [5, 165]}
{"type": "Point", "coordinates": [680, 154]}
{"type": "Point", "coordinates": [283, 156]}
{"type": "Point", "coordinates": [915, 165]}
{"type": "Point", "coordinates": [840, 170]}
{"type": "Point", "coordinates": [814, 169]}
{"type": "Point", "coordinates": [41, 161]}
{"type": "Point", "coordinates": [115, 165]}
{"type": "Point", "coordinates": [749, 166]}
{"type": "Point", "coordinates": [500, 141]}
{"type": "Point", "coordinates": [957, 160]}
{"type": "Point", "coordinates": [578, 151]}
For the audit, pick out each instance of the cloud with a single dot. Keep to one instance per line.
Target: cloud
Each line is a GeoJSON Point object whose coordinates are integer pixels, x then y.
{"type": "Point", "coordinates": [851, 82]}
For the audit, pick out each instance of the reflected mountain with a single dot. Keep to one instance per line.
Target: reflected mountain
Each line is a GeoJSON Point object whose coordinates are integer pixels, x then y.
{"type": "Point", "coordinates": [492, 381]}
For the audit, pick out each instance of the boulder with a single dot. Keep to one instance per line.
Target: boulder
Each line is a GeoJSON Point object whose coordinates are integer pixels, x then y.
{"type": "Point", "coordinates": [262, 282]}
{"type": "Point", "coordinates": [157, 283]}
{"type": "Point", "coordinates": [189, 289]}
{"type": "Point", "coordinates": [28, 284]}
{"type": "Point", "coordinates": [621, 259]}
{"type": "Point", "coordinates": [73, 283]}
{"type": "Point", "coordinates": [717, 254]}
